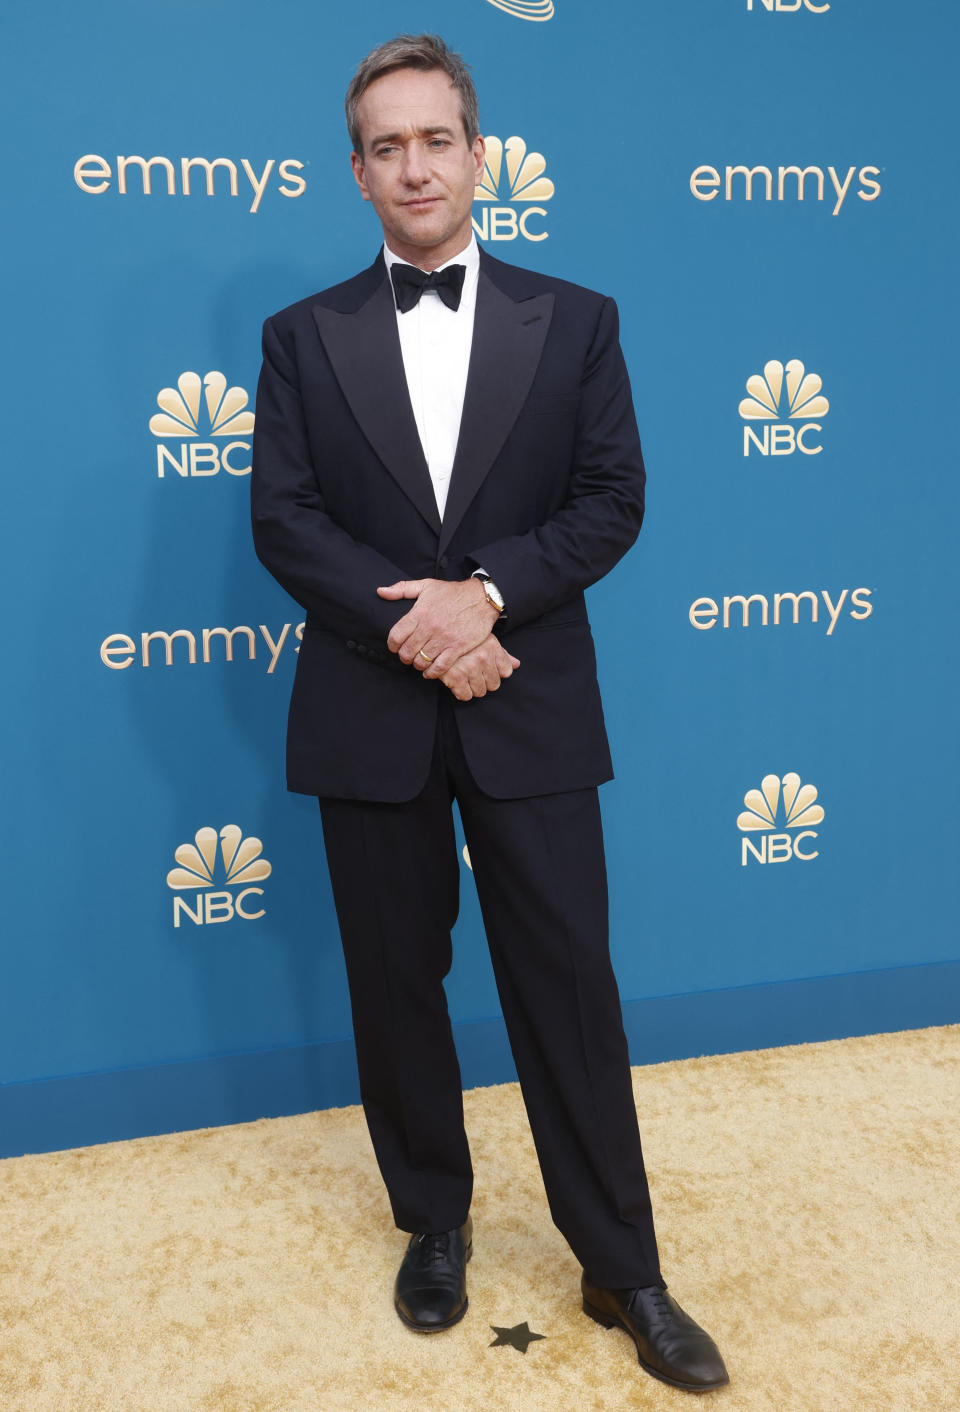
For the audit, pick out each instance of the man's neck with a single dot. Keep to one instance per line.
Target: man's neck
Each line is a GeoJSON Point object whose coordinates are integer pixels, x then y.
{"type": "Point", "coordinates": [430, 260]}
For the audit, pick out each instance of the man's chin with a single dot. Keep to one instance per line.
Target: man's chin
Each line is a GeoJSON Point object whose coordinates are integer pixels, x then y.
{"type": "Point", "coordinates": [425, 230]}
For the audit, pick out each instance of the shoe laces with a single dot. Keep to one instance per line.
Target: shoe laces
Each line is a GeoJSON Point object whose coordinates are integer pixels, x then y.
{"type": "Point", "coordinates": [657, 1298]}
{"type": "Point", "coordinates": [432, 1249]}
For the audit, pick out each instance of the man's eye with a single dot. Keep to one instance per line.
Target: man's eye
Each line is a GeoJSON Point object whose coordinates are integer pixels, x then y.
{"type": "Point", "coordinates": [385, 151]}
{"type": "Point", "coordinates": [438, 142]}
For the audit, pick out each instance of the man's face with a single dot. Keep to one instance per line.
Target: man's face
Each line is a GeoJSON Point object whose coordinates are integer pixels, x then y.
{"type": "Point", "coordinates": [417, 168]}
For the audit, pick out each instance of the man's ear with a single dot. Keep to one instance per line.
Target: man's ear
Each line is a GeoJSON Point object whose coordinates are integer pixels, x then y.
{"type": "Point", "coordinates": [356, 163]}
{"type": "Point", "coordinates": [479, 150]}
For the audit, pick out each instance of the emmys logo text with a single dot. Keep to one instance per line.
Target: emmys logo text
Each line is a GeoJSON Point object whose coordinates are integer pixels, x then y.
{"type": "Point", "coordinates": [181, 176]}
{"type": "Point", "coordinates": [789, 183]}
{"type": "Point", "coordinates": [741, 610]}
{"type": "Point", "coordinates": [119, 650]}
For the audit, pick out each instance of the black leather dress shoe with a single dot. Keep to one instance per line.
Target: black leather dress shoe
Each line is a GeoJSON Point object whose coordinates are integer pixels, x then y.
{"type": "Point", "coordinates": [669, 1344]}
{"type": "Point", "coordinates": [431, 1289]}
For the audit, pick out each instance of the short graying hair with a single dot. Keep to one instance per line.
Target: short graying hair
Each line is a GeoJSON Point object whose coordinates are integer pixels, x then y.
{"type": "Point", "coordinates": [413, 51]}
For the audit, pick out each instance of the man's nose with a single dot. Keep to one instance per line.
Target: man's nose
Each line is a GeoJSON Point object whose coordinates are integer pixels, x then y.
{"type": "Point", "coordinates": [416, 169]}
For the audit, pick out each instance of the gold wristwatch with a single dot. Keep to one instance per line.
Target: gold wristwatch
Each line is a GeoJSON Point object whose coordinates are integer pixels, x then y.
{"type": "Point", "coordinates": [493, 594]}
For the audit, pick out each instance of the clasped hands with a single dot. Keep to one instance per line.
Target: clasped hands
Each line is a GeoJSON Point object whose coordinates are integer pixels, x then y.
{"type": "Point", "coordinates": [447, 635]}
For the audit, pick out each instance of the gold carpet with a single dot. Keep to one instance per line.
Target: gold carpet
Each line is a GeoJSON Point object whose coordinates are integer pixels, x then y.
{"type": "Point", "coordinates": [807, 1206]}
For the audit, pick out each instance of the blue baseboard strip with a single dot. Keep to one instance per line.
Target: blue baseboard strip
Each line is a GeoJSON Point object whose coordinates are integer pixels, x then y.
{"type": "Point", "coordinates": [792, 1012]}
{"type": "Point", "coordinates": [51, 1114]}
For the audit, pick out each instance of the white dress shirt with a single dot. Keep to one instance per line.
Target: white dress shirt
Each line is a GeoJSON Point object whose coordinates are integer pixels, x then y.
{"type": "Point", "coordinates": [435, 343]}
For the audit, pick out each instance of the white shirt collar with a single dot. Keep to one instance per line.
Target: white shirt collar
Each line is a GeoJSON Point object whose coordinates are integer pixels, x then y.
{"type": "Point", "coordinates": [469, 256]}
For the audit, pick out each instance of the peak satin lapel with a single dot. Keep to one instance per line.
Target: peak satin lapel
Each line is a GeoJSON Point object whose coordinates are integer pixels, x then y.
{"type": "Point", "coordinates": [508, 339]}
{"type": "Point", "coordinates": [364, 350]}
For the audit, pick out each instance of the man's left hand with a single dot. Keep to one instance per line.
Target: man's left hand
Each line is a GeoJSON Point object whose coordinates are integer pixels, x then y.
{"type": "Point", "coordinates": [481, 671]}
{"type": "Point", "coordinates": [447, 621]}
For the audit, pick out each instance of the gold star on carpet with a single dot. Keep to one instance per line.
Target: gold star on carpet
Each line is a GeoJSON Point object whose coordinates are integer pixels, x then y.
{"type": "Point", "coordinates": [519, 1337]}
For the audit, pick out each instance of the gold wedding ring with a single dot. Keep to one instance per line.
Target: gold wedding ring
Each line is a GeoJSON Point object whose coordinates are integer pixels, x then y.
{"type": "Point", "coordinates": [422, 654]}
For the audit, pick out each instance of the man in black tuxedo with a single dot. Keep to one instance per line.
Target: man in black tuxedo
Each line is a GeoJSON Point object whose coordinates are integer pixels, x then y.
{"type": "Point", "coordinates": [445, 457]}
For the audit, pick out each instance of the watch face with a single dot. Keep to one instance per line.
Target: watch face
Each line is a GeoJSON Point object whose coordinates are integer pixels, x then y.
{"type": "Point", "coordinates": [493, 594]}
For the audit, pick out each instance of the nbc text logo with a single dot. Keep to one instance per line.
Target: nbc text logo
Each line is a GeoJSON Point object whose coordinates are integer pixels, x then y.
{"type": "Point", "coordinates": [526, 9]}
{"type": "Point", "coordinates": [800, 811]}
{"type": "Point", "coordinates": [523, 182]}
{"type": "Point", "coordinates": [773, 399]}
{"type": "Point", "coordinates": [706, 183]}
{"type": "Point", "coordinates": [787, 5]}
{"type": "Point", "coordinates": [93, 174]}
{"type": "Point", "coordinates": [179, 416]}
{"type": "Point", "coordinates": [242, 866]}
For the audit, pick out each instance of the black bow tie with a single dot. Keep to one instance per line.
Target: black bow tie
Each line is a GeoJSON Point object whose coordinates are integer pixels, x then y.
{"type": "Point", "coordinates": [409, 283]}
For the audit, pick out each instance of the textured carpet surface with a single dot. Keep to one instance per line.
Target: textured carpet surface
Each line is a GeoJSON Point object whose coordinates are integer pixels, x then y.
{"type": "Point", "coordinates": [807, 1207]}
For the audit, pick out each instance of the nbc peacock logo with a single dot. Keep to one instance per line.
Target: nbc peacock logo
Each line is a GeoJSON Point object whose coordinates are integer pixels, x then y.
{"type": "Point", "coordinates": [526, 9]}
{"type": "Point", "coordinates": [788, 402]}
{"type": "Point", "coordinates": [236, 863]}
{"type": "Point", "coordinates": [225, 415]}
{"type": "Point", "coordinates": [512, 174]}
{"type": "Point", "coordinates": [784, 802]}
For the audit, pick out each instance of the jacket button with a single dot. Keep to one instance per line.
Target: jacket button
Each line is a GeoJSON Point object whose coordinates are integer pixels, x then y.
{"type": "Point", "coordinates": [351, 646]}
{"type": "Point", "coordinates": [444, 562]}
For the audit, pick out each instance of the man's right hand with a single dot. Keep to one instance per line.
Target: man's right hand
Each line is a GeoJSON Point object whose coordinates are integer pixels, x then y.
{"type": "Point", "coordinates": [480, 671]}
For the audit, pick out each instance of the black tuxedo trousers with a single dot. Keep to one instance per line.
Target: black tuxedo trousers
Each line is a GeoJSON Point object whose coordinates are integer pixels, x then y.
{"type": "Point", "coordinates": [541, 880]}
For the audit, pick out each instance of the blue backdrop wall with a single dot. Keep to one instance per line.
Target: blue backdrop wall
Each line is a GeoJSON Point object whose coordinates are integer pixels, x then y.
{"type": "Point", "coordinates": [765, 186]}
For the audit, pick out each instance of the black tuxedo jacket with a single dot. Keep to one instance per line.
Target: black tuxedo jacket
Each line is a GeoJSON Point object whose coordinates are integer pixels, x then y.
{"type": "Point", "coordinates": [546, 495]}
